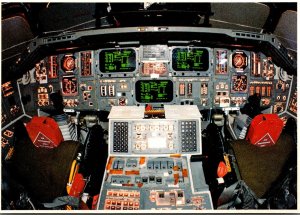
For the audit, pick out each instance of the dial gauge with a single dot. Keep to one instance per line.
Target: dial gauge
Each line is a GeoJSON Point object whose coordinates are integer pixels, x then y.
{"type": "Point", "coordinates": [239, 83]}
{"type": "Point", "coordinates": [69, 86]}
{"type": "Point", "coordinates": [68, 63]}
{"type": "Point", "coordinates": [239, 61]}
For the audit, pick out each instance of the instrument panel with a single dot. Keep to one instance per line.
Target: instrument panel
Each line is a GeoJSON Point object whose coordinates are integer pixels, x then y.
{"type": "Point", "coordinates": [154, 183]}
{"type": "Point", "coordinates": [149, 164]}
{"type": "Point", "coordinates": [11, 103]}
{"type": "Point", "coordinates": [159, 75]}
{"type": "Point", "coordinates": [165, 136]}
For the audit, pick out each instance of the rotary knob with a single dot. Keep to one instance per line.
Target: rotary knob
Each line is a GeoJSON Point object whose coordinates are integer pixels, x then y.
{"type": "Point", "coordinates": [122, 101]}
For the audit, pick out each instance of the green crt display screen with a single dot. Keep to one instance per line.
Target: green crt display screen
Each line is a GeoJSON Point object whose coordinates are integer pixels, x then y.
{"type": "Point", "coordinates": [117, 60]}
{"type": "Point", "coordinates": [154, 91]}
{"type": "Point", "coordinates": [190, 59]}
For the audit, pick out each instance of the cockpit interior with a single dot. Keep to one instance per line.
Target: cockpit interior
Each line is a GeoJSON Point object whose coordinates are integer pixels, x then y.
{"type": "Point", "coordinates": [111, 106]}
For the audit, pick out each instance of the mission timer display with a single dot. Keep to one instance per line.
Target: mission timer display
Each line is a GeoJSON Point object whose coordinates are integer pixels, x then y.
{"type": "Point", "coordinates": [154, 91]}
{"type": "Point", "coordinates": [190, 59]}
{"type": "Point", "coordinates": [117, 60]}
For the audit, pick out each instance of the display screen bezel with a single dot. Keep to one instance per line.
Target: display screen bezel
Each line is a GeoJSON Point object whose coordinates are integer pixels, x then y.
{"type": "Point", "coordinates": [206, 56]}
{"type": "Point", "coordinates": [169, 92]}
{"type": "Point", "coordinates": [131, 69]}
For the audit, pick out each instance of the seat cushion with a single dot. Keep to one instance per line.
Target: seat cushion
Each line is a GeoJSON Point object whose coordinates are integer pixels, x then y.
{"type": "Point", "coordinates": [260, 167]}
{"type": "Point", "coordinates": [44, 172]}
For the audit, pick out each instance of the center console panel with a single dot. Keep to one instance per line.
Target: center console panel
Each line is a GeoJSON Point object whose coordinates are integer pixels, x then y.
{"type": "Point", "coordinates": [149, 164]}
